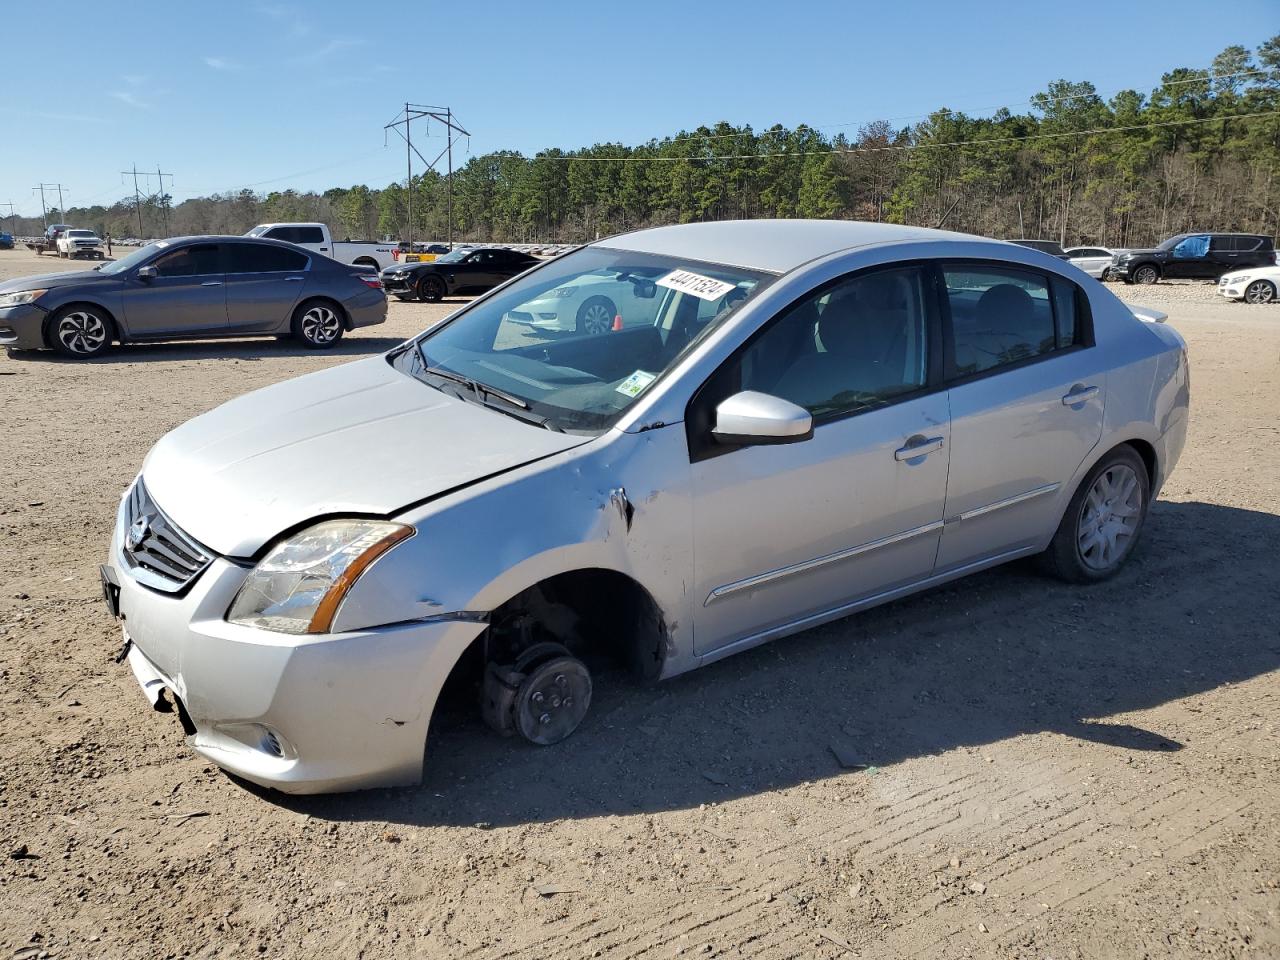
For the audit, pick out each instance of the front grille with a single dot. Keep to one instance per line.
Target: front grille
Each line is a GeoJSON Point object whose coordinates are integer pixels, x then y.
{"type": "Point", "coordinates": [161, 555]}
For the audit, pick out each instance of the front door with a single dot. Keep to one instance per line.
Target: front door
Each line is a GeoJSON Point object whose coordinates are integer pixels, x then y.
{"type": "Point", "coordinates": [784, 534]}
{"type": "Point", "coordinates": [186, 296]}
{"type": "Point", "coordinates": [1026, 407]}
{"type": "Point", "coordinates": [264, 282]}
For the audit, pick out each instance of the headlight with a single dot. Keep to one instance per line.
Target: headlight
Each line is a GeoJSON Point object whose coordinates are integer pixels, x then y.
{"type": "Point", "coordinates": [562, 292]}
{"type": "Point", "coordinates": [20, 297]}
{"type": "Point", "coordinates": [1234, 280]}
{"type": "Point", "coordinates": [299, 585]}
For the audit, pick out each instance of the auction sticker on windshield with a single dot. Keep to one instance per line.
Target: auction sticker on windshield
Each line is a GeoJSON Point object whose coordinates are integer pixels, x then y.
{"type": "Point", "coordinates": [686, 281]}
{"type": "Point", "coordinates": [635, 384]}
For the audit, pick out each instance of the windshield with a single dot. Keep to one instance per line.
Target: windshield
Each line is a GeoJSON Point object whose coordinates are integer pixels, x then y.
{"type": "Point", "coordinates": [454, 257]}
{"type": "Point", "coordinates": [1172, 242]}
{"type": "Point", "coordinates": [81, 233]}
{"type": "Point", "coordinates": [575, 343]}
{"type": "Point", "coordinates": [258, 231]}
{"type": "Point", "coordinates": [137, 258]}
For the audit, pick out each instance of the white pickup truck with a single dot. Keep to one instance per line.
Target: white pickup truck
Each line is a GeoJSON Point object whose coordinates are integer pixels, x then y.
{"type": "Point", "coordinates": [73, 243]}
{"type": "Point", "coordinates": [315, 236]}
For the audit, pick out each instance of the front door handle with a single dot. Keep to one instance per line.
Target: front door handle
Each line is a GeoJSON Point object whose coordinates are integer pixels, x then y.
{"type": "Point", "coordinates": [918, 446]}
{"type": "Point", "coordinates": [1079, 395]}
{"type": "Point", "coordinates": [212, 283]}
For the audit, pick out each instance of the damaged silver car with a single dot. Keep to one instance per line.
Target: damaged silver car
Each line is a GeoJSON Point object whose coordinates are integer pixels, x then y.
{"type": "Point", "coordinates": [782, 423]}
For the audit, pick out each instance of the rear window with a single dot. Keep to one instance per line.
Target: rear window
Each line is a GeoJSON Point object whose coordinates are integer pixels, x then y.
{"type": "Point", "coordinates": [262, 258]}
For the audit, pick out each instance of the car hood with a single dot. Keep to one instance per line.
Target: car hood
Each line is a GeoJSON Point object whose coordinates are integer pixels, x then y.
{"type": "Point", "coordinates": [1152, 252]}
{"type": "Point", "coordinates": [50, 280]}
{"type": "Point", "coordinates": [361, 438]}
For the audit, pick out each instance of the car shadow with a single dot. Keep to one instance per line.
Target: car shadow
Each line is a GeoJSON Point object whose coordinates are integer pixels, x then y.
{"type": "Point", "coordinates": [998, 655]}
{"type": "Point", "coordinates": [257, 348]}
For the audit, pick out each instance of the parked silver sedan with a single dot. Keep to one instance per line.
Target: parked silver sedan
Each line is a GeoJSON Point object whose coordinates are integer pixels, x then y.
{"type": "Point", "coordinates": [797, 420]}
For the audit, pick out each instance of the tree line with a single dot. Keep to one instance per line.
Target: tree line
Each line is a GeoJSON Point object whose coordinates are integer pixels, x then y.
{"type": "Point", "coordinates": [1201, 151]}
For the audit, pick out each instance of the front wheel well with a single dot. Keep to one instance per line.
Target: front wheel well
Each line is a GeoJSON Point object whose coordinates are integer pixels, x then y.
{"type": "Point", "coordinates": [598, 614]}
{"type": "Point", "coordinates": [47, 327]}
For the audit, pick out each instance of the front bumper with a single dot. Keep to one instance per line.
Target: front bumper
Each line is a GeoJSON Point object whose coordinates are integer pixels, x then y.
{"type": "Point", "coordinates": [1118, 270]}
{"type": "Point", "coordinates": [22, 327]}
{"type": "Point", "coordinates": [308, 714]}
{"type": "Point", "coordinates": [1232, 289]}
{"type": "Point", "coordinates": [401, 283]}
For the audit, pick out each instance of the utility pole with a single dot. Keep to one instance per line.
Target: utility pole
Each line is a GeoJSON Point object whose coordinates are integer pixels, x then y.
{"type": "Point", "coordinates": [164, 205]}
{"type": "Point", "coordinates": [44, 207]}
{"type": "Point", "coordinates": [137, 198]}
{"type": "Point", "coordinates": [10, 206]}
{"type": "Point", "coordinates": [415, 111]}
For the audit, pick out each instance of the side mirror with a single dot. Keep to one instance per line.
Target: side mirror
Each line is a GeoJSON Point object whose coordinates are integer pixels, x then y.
{"type": "Point", "coordinates": [147, 274]}
{"type": "Point", "coordinates": [750, 417]}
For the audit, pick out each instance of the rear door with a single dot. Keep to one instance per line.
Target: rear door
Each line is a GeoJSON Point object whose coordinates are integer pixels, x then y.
{"type": "Point", "coordinates": [264, 282]}
{"type": "Point", "coordinates": [1026, 403]}
{"type": "Point", "coordinates": [188, 296]}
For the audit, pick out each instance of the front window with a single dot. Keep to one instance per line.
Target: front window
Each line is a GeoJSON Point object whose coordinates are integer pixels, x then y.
{"type": "Point", "coordinates": [1190, 248]}
{"type": "Point", "coordinates": [135, 259]}
{"type": "Point", "coordinates": [575, 343]}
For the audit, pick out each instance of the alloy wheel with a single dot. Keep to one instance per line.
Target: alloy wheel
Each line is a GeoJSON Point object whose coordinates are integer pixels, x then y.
{"type": "Point", "coordinates": [1110, 517]}
{"type": "Point", "coordinates": [1260, 291]}
{"type": "Point", "coordinates": [321, 325]}
{"type": "Point", "coordinates": [82, 333]}
{"type": "Point", "coordinates": [1146, 275]}
{"type": "Point", "coordinates": [596, 319]}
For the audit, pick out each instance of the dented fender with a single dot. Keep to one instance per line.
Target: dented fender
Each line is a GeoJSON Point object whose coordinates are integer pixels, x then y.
{"type": "Point", "coordinates": [478, 547]}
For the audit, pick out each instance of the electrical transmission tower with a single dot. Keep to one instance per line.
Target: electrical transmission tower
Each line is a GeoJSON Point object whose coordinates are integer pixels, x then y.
{"type": "Point", "coordinates": [44, 208]}
{"type": "Point", "coordinates": [453, 129]}
{"type": "Point", "coordinates": [159, 197]}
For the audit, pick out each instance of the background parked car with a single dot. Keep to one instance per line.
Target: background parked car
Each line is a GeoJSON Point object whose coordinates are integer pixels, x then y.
{"type": "Point", "coordinates": [1051, 247]}
{"type": "Point", "coordinates": [1095, 261]}
{"type": "Point", "coordinates": [191, 288]}
{"type": "Point", "coordinates": [75, 243]}
{"type": "Point", "coordinates": [6, 241]}
{"type": "Point", "coordinates": [316, 237]}
{"type": "Point", "coordinates": [462, 271]}
{"type": "Point", "coordinates": [1252, 285]}
{"type": "Point", "coordinates": [1194, 256]}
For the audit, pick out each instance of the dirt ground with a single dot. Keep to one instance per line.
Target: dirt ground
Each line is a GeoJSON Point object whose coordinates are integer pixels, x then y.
{"type": "Point", "coordinates": [1056, 771]}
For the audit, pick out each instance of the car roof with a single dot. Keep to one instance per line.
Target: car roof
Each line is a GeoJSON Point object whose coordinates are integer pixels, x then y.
{"type": "Point", "coordinates": [777, 246]}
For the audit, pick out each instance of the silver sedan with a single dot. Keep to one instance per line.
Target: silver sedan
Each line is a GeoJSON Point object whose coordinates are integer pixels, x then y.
{"type": "Point", "coordinates": [792, 421]}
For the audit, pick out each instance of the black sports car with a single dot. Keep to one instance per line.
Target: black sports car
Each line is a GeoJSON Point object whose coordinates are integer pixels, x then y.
{"type": "Point", "coordinates": [463, 271]}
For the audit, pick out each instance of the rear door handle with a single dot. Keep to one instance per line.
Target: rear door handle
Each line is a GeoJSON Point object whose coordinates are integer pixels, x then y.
{"type": "Point", "coordinates": [1079, 395]}
{"type": "Point", "coordinates": [918, 447]}
{"type": "Point", "coordinates": [212, 283]}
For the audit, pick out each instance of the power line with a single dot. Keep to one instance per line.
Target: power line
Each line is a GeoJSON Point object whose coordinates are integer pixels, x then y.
{"type": "Point", "coordinates": [44, 208]}
{"type": "Point", "coordinates": [903, 147]}
{"type": "Point", "coordinates": [1207, 78]}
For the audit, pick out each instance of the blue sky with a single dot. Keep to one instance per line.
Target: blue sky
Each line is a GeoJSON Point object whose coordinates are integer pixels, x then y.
{"type": "Point", "coordinates": [277, 94]}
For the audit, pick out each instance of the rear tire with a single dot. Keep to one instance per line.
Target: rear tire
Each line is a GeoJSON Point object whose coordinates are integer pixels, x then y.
{"type": "Point", "coordinates": [80, 331]}
{"type": "Point", "coordinates": [317, 324]}
{"type": "Point", "coordinates": [1103, 521]}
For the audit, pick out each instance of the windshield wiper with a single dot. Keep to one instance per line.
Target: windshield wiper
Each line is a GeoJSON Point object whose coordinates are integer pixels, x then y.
{"type": "Point", "coordinates": [483, 390]}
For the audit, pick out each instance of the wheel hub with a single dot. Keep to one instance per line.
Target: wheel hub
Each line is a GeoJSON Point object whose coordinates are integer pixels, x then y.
{"type": "Point", "coordinates": [552, 700]}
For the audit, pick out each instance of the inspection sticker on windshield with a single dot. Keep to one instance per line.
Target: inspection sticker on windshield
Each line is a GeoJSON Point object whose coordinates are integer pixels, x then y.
{"type": "Point", "coordinates": [634, 385]}
{"type": "Point", "coordinates": [686, 281]}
